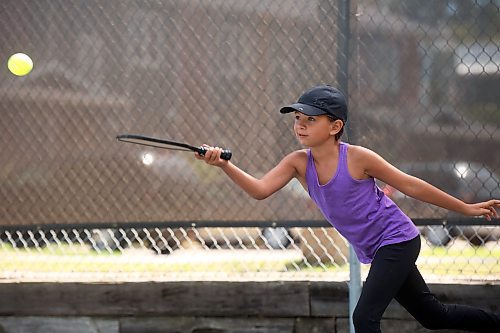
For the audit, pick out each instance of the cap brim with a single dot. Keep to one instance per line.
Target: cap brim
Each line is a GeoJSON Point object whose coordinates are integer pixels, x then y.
{"type": "Point", "coordinates": [303, 108]}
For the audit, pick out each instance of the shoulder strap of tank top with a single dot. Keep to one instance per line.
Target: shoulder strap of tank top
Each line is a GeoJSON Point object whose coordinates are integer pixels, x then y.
{"type": "Point", "coordinates": [342, 166]}
{"type": "Point", "coordinates": [311, 168]}
{"type": "Point", "coordinates": [310, 162]}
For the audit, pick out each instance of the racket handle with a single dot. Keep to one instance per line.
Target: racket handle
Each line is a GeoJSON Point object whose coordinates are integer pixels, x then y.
{"type": "Point", "coordinates": [225, 155]}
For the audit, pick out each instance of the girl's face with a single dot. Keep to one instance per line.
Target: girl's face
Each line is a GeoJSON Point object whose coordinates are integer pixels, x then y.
{"type": "Point", "coordinates": [313, 130]}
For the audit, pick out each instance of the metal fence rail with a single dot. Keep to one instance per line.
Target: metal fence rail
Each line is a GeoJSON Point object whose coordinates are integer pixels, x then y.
{"type": "Point", "coordinates": [287, 250]}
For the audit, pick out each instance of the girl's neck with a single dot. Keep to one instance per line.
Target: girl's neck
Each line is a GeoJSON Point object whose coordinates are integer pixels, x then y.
{"type": "Point", "coordinates": [326, 151]}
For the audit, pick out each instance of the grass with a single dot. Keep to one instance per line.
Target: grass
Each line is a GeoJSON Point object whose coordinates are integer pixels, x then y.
{"type": "Point", "coordinates": [460, 260]}
{"type": "Point", "coordinates": [465, 252]}
{"type": "Point", "coordinates": [74, 259]}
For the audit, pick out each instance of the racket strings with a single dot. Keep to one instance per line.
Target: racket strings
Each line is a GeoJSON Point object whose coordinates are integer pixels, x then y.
{"type": "Point", "coordinates": [168, 147]}
{"type": "Point", "coordinates": [157, 145]}
{"type": "Point", "coordinates": [177, 148]}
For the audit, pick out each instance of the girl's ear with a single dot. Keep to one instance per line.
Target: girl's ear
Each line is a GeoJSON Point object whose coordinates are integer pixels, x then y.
{"type": "Point", "coordinates": [336, 126]}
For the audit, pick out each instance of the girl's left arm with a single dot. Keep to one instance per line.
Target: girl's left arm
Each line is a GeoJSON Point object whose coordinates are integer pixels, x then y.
{"type": "Point", "coordinates": [375, 166]}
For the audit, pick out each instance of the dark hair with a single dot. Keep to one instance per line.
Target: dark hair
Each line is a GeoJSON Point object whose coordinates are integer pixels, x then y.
{"type": "Point", "coordinates": [339, 134]}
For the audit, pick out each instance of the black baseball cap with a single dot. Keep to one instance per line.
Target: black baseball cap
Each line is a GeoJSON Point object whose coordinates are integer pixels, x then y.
{"type": "Point", "coordinates": [320, 100]}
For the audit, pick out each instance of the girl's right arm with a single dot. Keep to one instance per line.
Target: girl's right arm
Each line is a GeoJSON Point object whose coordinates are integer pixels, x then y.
{"type": "Point", "coordinates": [259, 189]}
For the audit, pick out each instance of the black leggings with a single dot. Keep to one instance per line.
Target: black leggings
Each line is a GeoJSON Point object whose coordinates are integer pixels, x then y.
{"type": "Point", "coordinates": [393, 274]}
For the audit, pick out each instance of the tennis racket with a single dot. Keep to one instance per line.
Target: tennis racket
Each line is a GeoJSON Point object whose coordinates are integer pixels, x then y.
{"type": "Point", "coordinates": [168, 144]}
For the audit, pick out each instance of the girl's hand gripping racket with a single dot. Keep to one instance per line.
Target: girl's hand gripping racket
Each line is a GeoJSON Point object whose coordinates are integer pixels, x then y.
{"type": "Point", "coordinates": [167, 144]}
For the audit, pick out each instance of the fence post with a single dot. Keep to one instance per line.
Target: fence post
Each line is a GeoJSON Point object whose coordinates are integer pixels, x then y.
{"type": "Point", "coordinates": [343, 50]}
{"type": "Point", "coordinates": [343, 53]}
{"type": "Point", "coordinates": [354, 284]}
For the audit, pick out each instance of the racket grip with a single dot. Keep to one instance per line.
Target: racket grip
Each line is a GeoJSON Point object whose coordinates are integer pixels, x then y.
{"type": "Point", "coordinates": [225, 155]}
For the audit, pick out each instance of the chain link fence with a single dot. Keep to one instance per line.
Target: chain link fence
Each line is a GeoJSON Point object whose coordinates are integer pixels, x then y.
{"type": "Point", "coordinates": [185, 250]}
{"type": "Point", "coordinates": [250, 250]}
{"type": "Point", "coordinates": [422, 81]}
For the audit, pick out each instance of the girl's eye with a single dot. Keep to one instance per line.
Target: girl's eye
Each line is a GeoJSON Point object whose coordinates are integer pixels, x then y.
{"type": "Point", "coordinates": [310, 119]}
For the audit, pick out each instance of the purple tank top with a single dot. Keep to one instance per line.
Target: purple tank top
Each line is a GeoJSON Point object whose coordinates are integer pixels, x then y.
{"type": "Point", "coordinates": [358, 209]}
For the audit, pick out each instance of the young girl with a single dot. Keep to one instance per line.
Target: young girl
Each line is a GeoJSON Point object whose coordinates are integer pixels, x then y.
{"type": "Point", "coordinates": [340, 178]}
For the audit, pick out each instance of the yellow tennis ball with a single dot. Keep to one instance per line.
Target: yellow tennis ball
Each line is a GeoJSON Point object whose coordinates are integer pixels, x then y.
{"type": "Point", "coordinates": [20, 64]}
